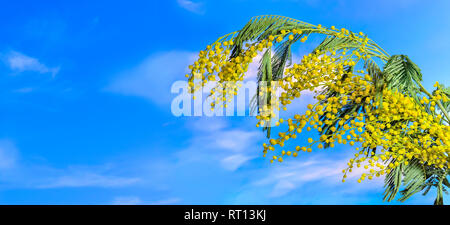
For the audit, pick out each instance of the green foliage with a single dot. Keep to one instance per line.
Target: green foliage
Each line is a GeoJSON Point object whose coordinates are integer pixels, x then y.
{"type": "Point", "coordinates": [393, 181]}
{"type": "Point", "coordinates": [402, 74]}
{"type": "Point", "coordinates": [260, 27]}
{"type": "Point", "coordinates": [414, 177]}
{"type": "Point", "coordinates": [265, 74]}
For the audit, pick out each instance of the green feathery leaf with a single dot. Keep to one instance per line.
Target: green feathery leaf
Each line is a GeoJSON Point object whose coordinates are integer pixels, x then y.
{"type": "Point", "coordinates": [402, 74]}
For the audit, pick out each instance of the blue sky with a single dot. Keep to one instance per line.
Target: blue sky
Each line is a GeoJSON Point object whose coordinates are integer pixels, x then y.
{"type": "Point", "coordinates": [85, 102]}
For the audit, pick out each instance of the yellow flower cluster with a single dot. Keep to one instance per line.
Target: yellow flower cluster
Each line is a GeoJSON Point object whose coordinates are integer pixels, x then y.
{"type": "Point", "coordinates": [214, 64]}
{"type": "Point", "coordinates": [396, 130]}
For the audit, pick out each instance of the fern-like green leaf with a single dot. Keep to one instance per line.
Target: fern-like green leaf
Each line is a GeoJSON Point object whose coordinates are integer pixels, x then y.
{"type": "Point", "coordinates": [392, 182]}
{"type": "Point", "coordinates": [402, 74]}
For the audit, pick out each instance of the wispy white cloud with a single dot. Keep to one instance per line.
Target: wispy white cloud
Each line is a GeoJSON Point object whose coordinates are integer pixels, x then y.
{"type": "Point", "coordinates": [214, 139]}
{"type": "Point", "coordinates": [127, 200]}
{"type": "Point", "coordinates": [232, 140]}
{"type": "Point", "coordinates": [23, 90]}
{"type": "Point", "coordinates": [235, 161]}
{"type": "Point", "coordinates": [41, 176]}
{"type": "Point", "coordinates": [20, 63]}
{"type": "Point", "coordinates": [195, 7]}
{"type": "Point", "coordinates": [207, 124]}
{"type": "Point", "coordinates": [230, 148]}
{"type": "Point", "coordinates": [304, 179]}
{"type": "Point", "coordinates": [134, 200]}
{"type": "Point", "coordinates": [300, 172]}
{"type": "Point", "coordinates": [8, 154]}
{"type": "Point", "coordinates": [169, 201]}
{"type": "Point", "coordinates": [88, 179]}
{"type": "Point", "coordinates": [153, 78]}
